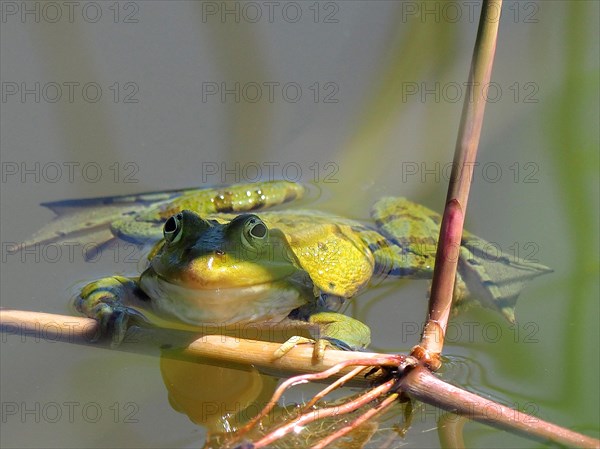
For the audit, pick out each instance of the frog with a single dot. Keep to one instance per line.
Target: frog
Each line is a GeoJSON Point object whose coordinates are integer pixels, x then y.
{"type": "Point", "coordinates": [220, 257]}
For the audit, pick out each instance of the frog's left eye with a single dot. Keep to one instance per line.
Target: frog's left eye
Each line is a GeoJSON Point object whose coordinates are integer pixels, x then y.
{"type": "Point", "coordinates": [255, 231]}
{"type": "Point", "coordinates": [173, 227]}
{"type": "Point", "coordinates": [258, 230]}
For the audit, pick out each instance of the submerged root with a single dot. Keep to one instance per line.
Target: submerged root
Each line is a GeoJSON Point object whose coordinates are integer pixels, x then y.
{"type": "Point", "coordinates": [380, 397]}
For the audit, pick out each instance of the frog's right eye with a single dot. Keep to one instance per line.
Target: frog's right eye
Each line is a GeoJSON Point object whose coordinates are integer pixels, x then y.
{"type": "Point", "coordinates": [173, 227]}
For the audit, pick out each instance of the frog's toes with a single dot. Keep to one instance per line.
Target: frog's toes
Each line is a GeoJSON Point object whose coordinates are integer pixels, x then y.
{"type": "Point", "coordinates": [332, 343]}
{"type": "Point", "coordinates": [290, 344]}
{"type": "Point", "coordinates": [103, 301]}
{"type": "Point", "coordinates": [319, 346]}
{"type": "Point", "coordinates": [112, 320]}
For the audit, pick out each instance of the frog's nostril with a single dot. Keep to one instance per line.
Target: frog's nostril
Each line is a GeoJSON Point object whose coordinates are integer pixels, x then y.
{"type": "Point", "coordinates": [219, 252]}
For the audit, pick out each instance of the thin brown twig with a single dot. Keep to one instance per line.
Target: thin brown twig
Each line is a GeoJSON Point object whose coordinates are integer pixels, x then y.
{"type": "Point", "coordinates": [387, 402]}
{"type": "Point", "coordinates": [335, 385]}
{"type": "Point", "coordinates": [446, 261]}
{"type": "Point", "coordinates": [326, 412]}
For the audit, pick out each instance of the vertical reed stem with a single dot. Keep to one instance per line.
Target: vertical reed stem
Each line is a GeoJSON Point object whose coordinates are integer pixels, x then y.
{"type": "Point", "coordinates": [446, 262]}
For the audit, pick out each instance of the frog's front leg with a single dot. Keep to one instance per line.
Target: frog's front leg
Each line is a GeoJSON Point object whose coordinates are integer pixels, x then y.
{"type": "Point", "coordinates": [328, 329]}
{"type": "Point", "coordinates": [107, 300]}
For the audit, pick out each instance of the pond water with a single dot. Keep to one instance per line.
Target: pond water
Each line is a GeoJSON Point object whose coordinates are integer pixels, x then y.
{"type": "Point", "coordinates": [361, 99]}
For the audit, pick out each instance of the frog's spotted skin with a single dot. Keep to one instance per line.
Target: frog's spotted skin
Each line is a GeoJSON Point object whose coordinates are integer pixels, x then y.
{"type": "Point", "coordinates": [217, 267]}
{"type": "Point", "coordinates": [413, 230]}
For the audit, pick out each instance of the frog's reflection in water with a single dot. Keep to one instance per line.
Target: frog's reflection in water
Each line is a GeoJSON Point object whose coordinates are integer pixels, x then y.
{"type": "Point", "coordinates": [219, 398]}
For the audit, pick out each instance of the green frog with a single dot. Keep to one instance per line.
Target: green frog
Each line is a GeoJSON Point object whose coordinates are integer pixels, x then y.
{"type": "Point", "coordinates": [217, 261]}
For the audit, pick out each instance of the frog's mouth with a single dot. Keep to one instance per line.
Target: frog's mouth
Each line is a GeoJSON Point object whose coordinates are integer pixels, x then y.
{"type": "Point", "coordinates": [267, 301]}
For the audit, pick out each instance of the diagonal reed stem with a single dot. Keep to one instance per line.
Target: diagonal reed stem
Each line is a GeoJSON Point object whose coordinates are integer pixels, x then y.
{"type": "Point", "coordinates": [421, 384]}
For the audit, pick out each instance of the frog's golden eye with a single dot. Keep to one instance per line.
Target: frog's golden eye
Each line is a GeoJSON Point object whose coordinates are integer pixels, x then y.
{"type": "Point", "coordinates": [258, 230]}
{"type": "Point", "coordinates": [172, 228]}
{"type": "Point", "coordinates": [254, 231]}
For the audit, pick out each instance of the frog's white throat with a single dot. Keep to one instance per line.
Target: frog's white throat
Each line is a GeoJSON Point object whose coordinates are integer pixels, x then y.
{"type": "Point", "coordinates": [268, 302]}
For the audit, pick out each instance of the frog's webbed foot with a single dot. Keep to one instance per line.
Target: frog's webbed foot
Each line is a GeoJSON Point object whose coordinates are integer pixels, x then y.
{"type": "Point", "coordinates": [333, 330]}
{"type": "Point", "coordinates": [104, 300]}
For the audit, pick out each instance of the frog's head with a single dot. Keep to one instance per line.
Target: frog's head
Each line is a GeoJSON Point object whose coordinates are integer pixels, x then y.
{"type": "Point", "coordinates": [206, 272]}
{"type": "Point", "coordinates": [201, 254]}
